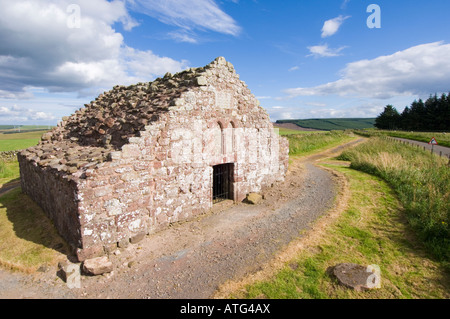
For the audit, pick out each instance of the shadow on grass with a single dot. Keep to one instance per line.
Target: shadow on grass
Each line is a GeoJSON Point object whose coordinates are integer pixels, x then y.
{"type": "Point", "coordinates": [30, 224]}
{"type": "Point", "coordinates": [408, 241]}
{"type": "Point", "coordinates": [9, 185]}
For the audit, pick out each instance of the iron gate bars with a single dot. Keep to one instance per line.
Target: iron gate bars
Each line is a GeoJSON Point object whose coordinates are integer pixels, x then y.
{"type": "Point", "coordinates": [222, 182]}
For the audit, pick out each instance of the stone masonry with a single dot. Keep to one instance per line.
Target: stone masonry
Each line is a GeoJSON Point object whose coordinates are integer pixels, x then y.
{"type": "Point", "coordinates": [141, 157]}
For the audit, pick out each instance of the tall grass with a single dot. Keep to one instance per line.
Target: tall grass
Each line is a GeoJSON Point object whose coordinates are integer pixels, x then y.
{"type": "Point", "coordinates": [421, 181]}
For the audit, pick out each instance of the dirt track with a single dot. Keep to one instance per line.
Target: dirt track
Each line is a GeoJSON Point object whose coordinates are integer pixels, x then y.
{"type": "Point", "coordinates": [192, 259]}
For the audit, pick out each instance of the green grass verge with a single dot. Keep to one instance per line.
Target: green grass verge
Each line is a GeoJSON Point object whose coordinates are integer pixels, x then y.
{"type": "Point", "coordinates": [421, 181]}
{"type": "Point", "coordinates": [372, 230]}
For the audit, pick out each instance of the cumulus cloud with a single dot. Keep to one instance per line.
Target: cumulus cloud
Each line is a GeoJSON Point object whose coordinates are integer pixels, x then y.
{"type": "Point", "coordinates": [188, 16]}
{"type": "Point", "coordinates": [330, 27]}
{"type": "Point", "coordinates": [43, 51]}
{"type": "Point", "coordinates": [324, 51]}
{"type": "Point", "coordinates": [20, 114]}
{"type": "Point", "coordinates": [419, 70]}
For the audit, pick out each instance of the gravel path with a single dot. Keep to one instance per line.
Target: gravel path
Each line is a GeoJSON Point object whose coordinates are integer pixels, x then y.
{"type": "Point", "coordinates": [191, 259]}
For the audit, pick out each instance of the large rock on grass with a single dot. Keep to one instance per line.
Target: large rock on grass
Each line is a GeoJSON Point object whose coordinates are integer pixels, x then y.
{"type": "Point", "coordinates": [356, 277]}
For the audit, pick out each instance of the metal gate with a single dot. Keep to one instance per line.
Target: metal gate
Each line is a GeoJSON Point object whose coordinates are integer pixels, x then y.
{"type": "Point", "coordinates": [222, 182]}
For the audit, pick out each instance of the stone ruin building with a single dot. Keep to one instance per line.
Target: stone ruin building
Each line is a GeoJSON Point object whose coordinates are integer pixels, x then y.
{"type": "Point", "coordinates": [140, 157]}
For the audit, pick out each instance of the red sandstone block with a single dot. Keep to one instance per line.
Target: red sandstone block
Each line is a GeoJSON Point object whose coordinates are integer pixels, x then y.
{"type": "Point", "coordinates": [114, 179]}
{"type": "Point", "coordinates": [89, 252]}
{"type": "Point", "coordinates": [130, 151]}
{"type": "Point", "coordinates": [103, 191]}
{"type": "Point", "coordinates": [157, 164]}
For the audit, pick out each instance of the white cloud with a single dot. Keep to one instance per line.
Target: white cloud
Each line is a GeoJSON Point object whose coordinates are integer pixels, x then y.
{"type": "Point", "coordinates": [304, 112]}
{"type": "Point", "coordinates": [183, 36]}
{"type": "Point", "coordinates": [20, 114]}
{"type": "Point", "coordinates": [145, 63]}
{"type": "Point", "coordinates": [189, 16]}
{"type": "Point", "coordinates": [39, 49]}
{"type": "Point", "coordinates": [324, 51]}
{"type": "Point", "coordinates": [294, 68]}
{"type": "Point", "coordinates": [344, 4]}
{"type": "Point", "coordinates": [318, 104]}
{"type": "Point", "coordinates": [419, 70]}
{"type": "Point", "coordinates": [286, 116]}
{"type": "Point", "coordinates": [330, 27]}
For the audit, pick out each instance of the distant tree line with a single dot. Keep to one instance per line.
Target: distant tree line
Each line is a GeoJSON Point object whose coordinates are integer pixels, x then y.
{"type": "Point", "coordinates": [431, 115]}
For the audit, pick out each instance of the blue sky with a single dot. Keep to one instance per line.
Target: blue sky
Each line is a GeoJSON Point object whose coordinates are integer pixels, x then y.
{"type": "Point", "coordinates": [302, 59]}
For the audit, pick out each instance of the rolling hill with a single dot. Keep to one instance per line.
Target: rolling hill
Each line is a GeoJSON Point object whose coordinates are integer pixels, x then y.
{"type": "Point", "coordinates": [333, 124]}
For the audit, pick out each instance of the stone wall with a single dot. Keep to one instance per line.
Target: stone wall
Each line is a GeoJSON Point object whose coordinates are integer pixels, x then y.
{"type": "Point", "coordinates": [143, 177]}
{"type": "Point", "coordinates": [56, 194]}
{"type": "Point", "coordinates": [8, 155]}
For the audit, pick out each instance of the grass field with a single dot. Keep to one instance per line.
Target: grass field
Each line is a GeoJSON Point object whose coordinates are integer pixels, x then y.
{"type": "Point", "coordinates": [18, 141]}
{"type": "Point", "coordinates": [305, 144]}
{"type": "Point", "coordinates": [286, 131]}
{"type": "Point", "coordinates": [333, 124]}
{"type": "Point", "coordinates": [23, 128]}
{"type": "Point", "coordinates": [372, 230]}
